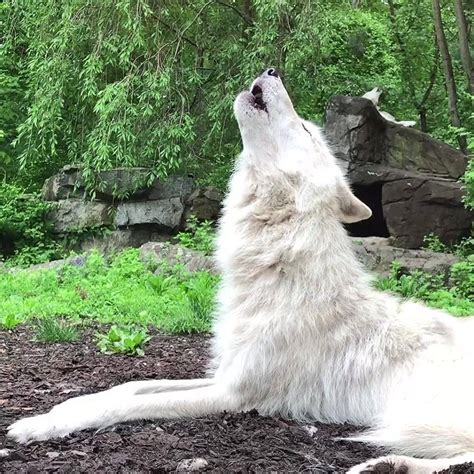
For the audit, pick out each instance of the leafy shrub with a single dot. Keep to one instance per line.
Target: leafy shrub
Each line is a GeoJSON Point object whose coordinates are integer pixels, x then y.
{"type": "Point", "coordinates": [465, 247]}
{"type": "Point", "coordinates": [26, 235]}
{"type": "Point", "coordinates": [52, 329]}
{"type": "Point", "coordinates": [431, 289]}
{"type": "Point", "coordinates": [462, 277]}
{"type": "Point", "coordinates": [432, 242]}
{"type": "Point", "coordinates": [468, 181]}
{"type": "Point", "coordinates": [198, 236]}
{"type": "Point", "coordinates": [125, 340]}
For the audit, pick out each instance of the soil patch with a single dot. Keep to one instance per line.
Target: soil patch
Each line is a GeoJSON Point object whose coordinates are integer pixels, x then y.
{"type": "Point", "coordinates": [34, 377]}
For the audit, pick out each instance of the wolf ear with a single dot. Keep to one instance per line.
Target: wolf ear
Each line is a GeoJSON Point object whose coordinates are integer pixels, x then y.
{"type": "Point", "coordinates": [350, 209]}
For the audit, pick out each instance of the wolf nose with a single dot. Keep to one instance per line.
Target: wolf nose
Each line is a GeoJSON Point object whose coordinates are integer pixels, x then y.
{"type": "Point", "coordinates": [273, 72]}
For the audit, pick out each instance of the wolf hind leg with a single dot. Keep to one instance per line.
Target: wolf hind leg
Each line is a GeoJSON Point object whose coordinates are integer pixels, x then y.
{"type": "Point", "coordinates": [409, 465]}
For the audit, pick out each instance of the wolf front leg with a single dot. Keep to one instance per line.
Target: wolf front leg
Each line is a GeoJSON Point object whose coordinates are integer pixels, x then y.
{"type": "Point", "coordinates": [138, 387]}
{"type": "Point", "coordinates": [107, 408]}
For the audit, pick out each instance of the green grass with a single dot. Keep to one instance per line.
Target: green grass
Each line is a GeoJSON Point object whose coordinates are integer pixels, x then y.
{"type": "Point", "coordinates": [52, 329]}
{"type": "Point", "coordinates": [126, 292]}
{"type": "Point", "coordinates": [123, 291]}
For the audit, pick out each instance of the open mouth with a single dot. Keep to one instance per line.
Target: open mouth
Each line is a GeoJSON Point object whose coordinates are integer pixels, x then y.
{"type": "Point", "coordinates": [259, 103]}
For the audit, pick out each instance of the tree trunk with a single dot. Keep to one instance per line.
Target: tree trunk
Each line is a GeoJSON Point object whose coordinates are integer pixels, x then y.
{"type": "Point", "coordinates": [401, 47]}
{"type": "Point", "coordinates": [248, 10]}
{"type": "Point", "coordinates": [421, 106]}
{"type": "Point", "coordinates": [448, 72]}
{"type": "Point", "coordinates": [423, 121]}
{"type": "Point", "coordinates": [418, 104]}
{"type": "Point", "coordinates": [464, 44]}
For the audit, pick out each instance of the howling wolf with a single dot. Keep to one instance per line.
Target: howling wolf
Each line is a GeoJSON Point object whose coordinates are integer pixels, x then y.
{"type": "Point", "coordinates": [300, 332]}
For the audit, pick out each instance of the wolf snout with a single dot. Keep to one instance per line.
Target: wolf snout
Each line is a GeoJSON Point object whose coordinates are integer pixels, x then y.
{"type": "Point", "coordinates": [272, 72]}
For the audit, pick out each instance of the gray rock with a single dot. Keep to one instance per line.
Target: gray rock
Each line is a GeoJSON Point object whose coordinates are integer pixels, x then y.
{"type": "Point", "coordinates": [377, 255]}
{"type": "Point", "coordinates": [173, 186]}
{"type": "Point", "coordinates": [119, 239]}
{"type": "Point", "coordinates": [189, 465]}
{"type": "Point", "coordinates": [417, 206]}
{"type": "Point", "coordinates": [117, 183]}
{"type": "Point", "coordinates": [173, 254]}
{"type": "Point", "coordinates": [205, 203]}
{"type": "Point", "coordinates": [165, 214]}
{"type": "Point", "coordinates": [406, 177]}
{"type": "Point", "coordinates": [122, 183]}
{"type": "Point", "coordinates": [63, 185]}
{"type": "Point", "coordinates": [74, 261]}
{"type": "Point", "coordinates": [358, 133]}
{"type": "Point", "coordinates": [71, 214]}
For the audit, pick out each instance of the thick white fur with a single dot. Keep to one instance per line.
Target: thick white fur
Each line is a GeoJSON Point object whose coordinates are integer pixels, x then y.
{"type": "Point", "coordinates": [300, 332]}
{"type": "Point", "coordinates": [374, 95]}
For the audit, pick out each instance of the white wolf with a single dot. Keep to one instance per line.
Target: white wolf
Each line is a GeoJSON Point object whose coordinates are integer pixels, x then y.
{"type": "Point", "coordinates": [374, 96]}
{"type": "Point", "coordinates": [300, 331]}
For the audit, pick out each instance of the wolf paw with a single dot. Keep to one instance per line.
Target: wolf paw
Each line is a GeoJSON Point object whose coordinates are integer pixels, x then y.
{"type": "Point", "coordinates": [384, 465]}
{"type": "Point", "coordinates": [35, 428]}
{"type": "Point", "coordinates": [72, 415]}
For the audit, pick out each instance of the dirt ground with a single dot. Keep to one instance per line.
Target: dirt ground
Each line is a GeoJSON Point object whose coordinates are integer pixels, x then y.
{"type": "Point", "coordinates": [34, 377]}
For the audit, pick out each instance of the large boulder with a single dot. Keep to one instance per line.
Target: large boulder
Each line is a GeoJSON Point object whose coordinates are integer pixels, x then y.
{"type": "Point", "coordinates": [359, 134]}
{"type": "Point", "coordinates": [70, 215]}
{"type": "Point", "coordinates": [205, 203]}
{"type": "Point", "coordinates": [165, 214]}
{"type": "Point", "coordinates": [419, 205]}
{"type": "Point", "coordinates": [135, 209]}
{"type": "Point", "coordinates": [120, 183]}
{"type": "Point", "coordinates": [377, 254]}
{"type": "Point", "coordinates": [115, 240]}
{"type": "Point", "coordinates": [117, 184]}
{"type": "Point", "coordinates": [173, 254]}
{"type": "Point", "coordinates": [406, 177]}
{"type": "Point", "coordinates": [172, 187]}
{"type": "Point", "coordinates": [63, 185]}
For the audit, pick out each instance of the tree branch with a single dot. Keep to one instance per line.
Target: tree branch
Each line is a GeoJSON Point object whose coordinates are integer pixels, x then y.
{"type": "Point", "coordinates": [247, 20]}
{"type": "Point", "coordinates": [434, 71]}
{"type": "Point", "coordinates": [174, 30]}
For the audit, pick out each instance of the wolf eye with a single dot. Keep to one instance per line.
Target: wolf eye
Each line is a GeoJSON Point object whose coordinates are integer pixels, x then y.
{"type": "Point", "coordinates": [307, 130]}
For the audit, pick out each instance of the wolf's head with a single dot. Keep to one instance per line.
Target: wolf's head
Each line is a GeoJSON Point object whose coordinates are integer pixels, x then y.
{"type": "Point", "coordinates": [274, 135]}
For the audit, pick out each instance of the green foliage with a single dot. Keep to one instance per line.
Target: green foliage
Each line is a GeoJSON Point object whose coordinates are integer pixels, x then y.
{"type": "Point", "coordinates": [76, 235]}
{"type": "Point", "coordinates": [125, 340]}
{"type": "Point", "coordinates": [144, 83]}
{"type": "Point", "coordinates": [198, 236]}
{"type": "Point", "coordinates": [25, 234]}
{"type": "Point", "coordinates": [431, 288]}
{"type": "Point", "coordinates": [432, 242]}
{"type": "Point", "coordinates": [462, 276]}
{"type": "Point", "coordinates": [468, 183]}
{"type": "Point", "coordinates": [10, 321]}
{"type": "Point", "coordinates": [464, 248]}
{"type": "Point", "coordinates": [120, 291]}
{"type": "Point", "coordinates": [51, 329]}
{"type": "Point", "coordinates": [12, 94]}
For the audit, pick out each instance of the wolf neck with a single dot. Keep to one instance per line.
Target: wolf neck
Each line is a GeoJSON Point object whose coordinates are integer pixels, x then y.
{"type": "Point", "coordinates": [265, 241]}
